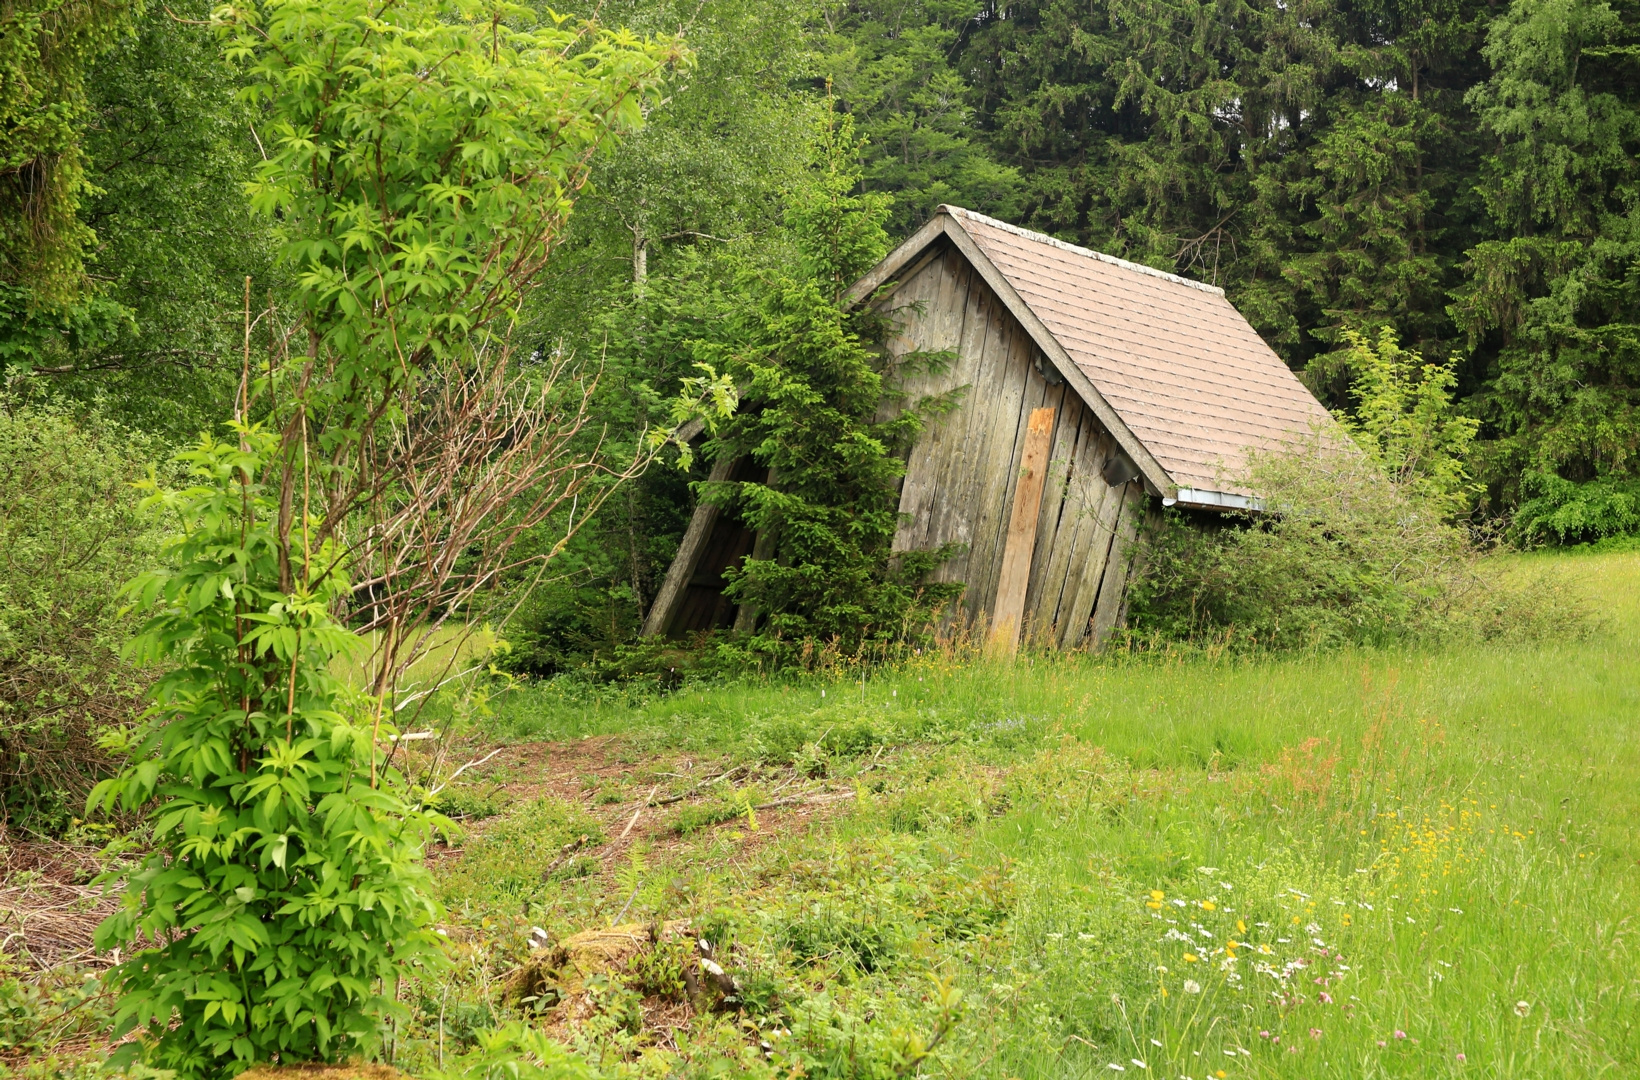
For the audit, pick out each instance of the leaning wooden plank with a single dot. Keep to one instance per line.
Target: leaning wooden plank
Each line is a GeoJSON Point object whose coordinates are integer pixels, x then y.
{"type": "Point", "coordinates": [949, 522]}
{"type": "Point", "coordinates": [1078, 525]}
{"type": "Point", "coordinates": [941, 330]}
{"type": "Point", "coordinates": [1055, 533]}
{"type": "Point", "coordinates": [762, 550]}
{"type": "Point", "coordinates": [1113, 590]}
{"type": "Point", "coordinates": [908, 311]}
{"type": "Point", "coordinates": [683, 563]}
{"type": "Point", "coordinates": [1023, 394]}
{"type": "Point", "coordinates": [964, 506]}
{"type": "Point", "coordinates": [1008, 610]}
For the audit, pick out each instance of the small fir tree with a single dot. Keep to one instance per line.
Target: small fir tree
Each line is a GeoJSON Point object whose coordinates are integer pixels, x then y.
{"type": "Point", "coordinates": [815, 387]}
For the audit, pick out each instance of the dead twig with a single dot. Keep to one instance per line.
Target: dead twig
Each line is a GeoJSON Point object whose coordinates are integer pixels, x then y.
{"type": "Point", "coordinates": [670, 799]}
{"type": "Point", "coordinates": [464, 768]}
{"type": "Point", "coordinates": [793, 800]}
{"type": "Point", "coordinates": [638, 811]}
{"type": "Point", "coordinates": [564, 853]}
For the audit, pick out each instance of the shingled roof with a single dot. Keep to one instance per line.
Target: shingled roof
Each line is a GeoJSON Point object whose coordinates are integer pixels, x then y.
{"type": "Point", "coordinates": [1176, 374]}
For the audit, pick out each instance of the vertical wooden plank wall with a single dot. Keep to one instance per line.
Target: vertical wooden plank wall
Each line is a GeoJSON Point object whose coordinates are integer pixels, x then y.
{"type": "Point", "coordinates": [962, 471]}
{"type": "Point", "coordinates": [1018, 551]}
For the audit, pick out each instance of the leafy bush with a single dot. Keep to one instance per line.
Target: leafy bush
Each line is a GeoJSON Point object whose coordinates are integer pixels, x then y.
{"type": "Point", "coordinates": [1564, 512]}
{"type": "Point", "coordinates": [1358, 543]}
{"type": "Point", "coordinates": [71, 533]}
{"type": "Point", "coordinates": [1349, 559]}
{"type": "Point", "coordinates": [516, 1051]}
{"type": "Point", "coordinates": [285, 885]}
{"type": "Point", "coordinates": [39, 1010]}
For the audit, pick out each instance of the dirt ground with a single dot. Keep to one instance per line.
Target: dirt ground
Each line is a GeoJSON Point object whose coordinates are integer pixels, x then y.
{"type": "Point", "coordinates": [653, 789]}
{"type": "Point", "coordinates": [49, 908]}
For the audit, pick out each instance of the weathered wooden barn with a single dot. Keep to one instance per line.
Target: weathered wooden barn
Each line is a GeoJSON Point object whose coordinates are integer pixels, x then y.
{"type": "Point", "coordinates": [1092, 388]}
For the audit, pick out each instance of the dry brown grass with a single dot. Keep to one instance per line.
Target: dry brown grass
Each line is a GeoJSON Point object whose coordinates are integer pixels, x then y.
{"type": "Point", "coordinates": [49, 909]}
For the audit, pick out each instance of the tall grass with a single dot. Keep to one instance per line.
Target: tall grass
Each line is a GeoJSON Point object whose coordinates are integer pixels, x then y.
{"type": "Point", "coordinates": [1352, 864]}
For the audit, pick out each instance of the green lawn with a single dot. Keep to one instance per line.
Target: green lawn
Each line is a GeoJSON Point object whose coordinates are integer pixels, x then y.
{"type": "Point", "coordinates": [1353, 865]}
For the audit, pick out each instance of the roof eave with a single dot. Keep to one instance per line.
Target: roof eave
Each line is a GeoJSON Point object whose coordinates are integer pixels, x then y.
{"type": "Point", "coordinates": [1203, 499]}
{"type": "Point", "coordinates": [897, 260]}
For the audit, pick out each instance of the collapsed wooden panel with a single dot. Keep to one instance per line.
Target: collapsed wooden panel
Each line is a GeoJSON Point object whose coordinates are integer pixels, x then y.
{"type": "Point", "coordinates": [691, 598]}
{"type": "Point", "coordinates": [963, 471]}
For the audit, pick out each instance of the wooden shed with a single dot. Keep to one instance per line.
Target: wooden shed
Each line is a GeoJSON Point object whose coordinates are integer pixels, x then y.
{"type": "Point", "coordinates": [1092, 389]}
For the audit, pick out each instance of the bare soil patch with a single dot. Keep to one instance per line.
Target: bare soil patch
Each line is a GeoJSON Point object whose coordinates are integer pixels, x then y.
{"type": "Point", "coordinates": [652, 791]}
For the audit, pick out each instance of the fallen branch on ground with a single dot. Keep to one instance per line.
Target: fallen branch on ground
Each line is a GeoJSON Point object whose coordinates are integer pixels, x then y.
{"type": "Point", "coordinates": [718, 779]}
{"type": "Point", "coordinates": [793, 800]}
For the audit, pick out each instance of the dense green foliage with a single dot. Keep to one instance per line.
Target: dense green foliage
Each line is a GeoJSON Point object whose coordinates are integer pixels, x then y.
{"type": "Point", "coordinates": [173, 147]}
{"type": "Point", "coordinates": [420, 159]}
{"type": "Point", "coordinates": [283, 884]}
{"type": "Point", "coordinates": [47, 50]}
{"type": "Point", "coordinates": [1357, 544]}
{"type": "Point", "coordinates": [72, 534]}
{"type": "Point", "coordinates": [818, 415]}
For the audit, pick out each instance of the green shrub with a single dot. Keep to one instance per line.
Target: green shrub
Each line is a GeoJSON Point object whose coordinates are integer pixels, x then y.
{"type": "Point", "coordinates": [71, 533]}
{"type": "Point", "coordinates": [865, 939]}
{"type": "Point", "coordinates": [465, 805]}
{"type": "Point", "coordinates": [284, 881]}
{"type": "Point", "coordinates": [39, 1010]}
{"type": "Point", "coordinates": [1356, 543]}
{"type": "Point", "coordinates": [695, 818]}
{"type": "Point", "coordinates": [516, 1051]}
{"type": "Point", "coordinates": [1560, 511]}
{"type": "Point", "coordinates": [1351, 559]}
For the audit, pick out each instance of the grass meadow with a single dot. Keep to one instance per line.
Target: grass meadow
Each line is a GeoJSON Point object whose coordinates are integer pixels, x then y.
{"type": "Point", "coordinates": [1352, 865]}
{"type": "Point", "coordinates": [1359, 864]}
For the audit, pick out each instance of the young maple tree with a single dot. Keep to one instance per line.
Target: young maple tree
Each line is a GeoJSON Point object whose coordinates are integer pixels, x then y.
{"type": "Point", "coordinates": [422, 157]}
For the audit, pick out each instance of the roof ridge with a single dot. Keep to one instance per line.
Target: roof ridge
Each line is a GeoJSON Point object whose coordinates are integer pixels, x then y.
{"type": "Point", "coordinates": [958, 211]}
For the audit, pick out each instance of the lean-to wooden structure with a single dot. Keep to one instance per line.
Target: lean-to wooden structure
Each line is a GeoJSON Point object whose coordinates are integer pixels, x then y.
{"type": "Point", "coordinates": [1090, 388]}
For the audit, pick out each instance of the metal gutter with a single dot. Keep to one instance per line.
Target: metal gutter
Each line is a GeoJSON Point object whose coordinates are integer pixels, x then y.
{"type": "Point", "coordinates": [1202, 499]}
